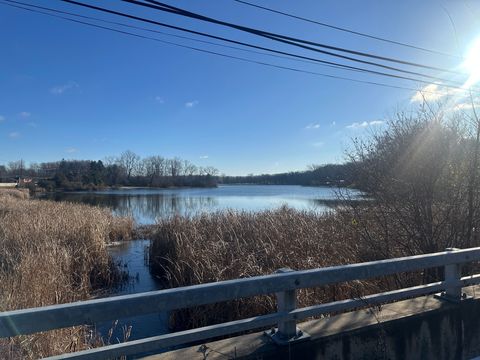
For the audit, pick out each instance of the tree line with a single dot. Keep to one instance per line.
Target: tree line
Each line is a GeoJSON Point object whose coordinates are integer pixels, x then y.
{"type": "Point", "coordinates": [316, 175]}
{"type": "Point", "coordinates": [128, 169]}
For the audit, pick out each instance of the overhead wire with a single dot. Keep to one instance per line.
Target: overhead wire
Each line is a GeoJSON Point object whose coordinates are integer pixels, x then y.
{"type": "Point", "coordinates": [282, 38]}
{"type": "Point", "coordinates": [5, 2]}
{"type": "Point", "coordinates": [355, 68]}
{"type": "Point", "coordinates": [174, 35]}
{"type": "Point", "coordinates": [358, 33]}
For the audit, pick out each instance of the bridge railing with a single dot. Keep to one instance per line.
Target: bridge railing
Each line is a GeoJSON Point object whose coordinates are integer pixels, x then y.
{"type": "Point", "coordinates": [283, 283]}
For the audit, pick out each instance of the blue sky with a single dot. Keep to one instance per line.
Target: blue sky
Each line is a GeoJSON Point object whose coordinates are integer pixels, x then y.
{"type": "Point", "coordinates": [75, 92]}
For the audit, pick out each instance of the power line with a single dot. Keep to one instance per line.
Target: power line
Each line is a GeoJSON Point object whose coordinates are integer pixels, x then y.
{"type": "Point", "coordinates": [323, 62]}
{"type": "Point", "coordinates": [224, 55]}
{"type": "Point", "coordinates": [348, 67]}
{"type": "Point", "coordinates": [348, 30]}
{"type": "Point", "coordinates": [283, 38]}
{"type": "Point", "coordinates": [175, 35]}
{"type": "Point", "coordinates": [289, 57]}
{"type": "Point", "coordinates": [336, 65]}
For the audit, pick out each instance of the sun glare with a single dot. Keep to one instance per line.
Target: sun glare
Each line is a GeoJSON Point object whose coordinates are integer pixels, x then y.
{"type": "Point", "coordinates": [472, 63]}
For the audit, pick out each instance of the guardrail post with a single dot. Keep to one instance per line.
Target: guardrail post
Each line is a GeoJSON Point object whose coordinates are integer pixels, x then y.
{"type": "Point", "coordinates": [453, 287]}
{"type": "Point", "coordinates": [287, 331]}
{"type": "Point", "coordinates": [453, 273]}
{"type": "Point", "coordinates": [287, 301]}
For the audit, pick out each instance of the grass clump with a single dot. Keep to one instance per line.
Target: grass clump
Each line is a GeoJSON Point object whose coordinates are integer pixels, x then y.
{"type": "Point", "coordinates": [228, 245]}
{"type": "Point", "coordinates": [52, 253]}
{"type": "Point", "coordinates": [16, 193]}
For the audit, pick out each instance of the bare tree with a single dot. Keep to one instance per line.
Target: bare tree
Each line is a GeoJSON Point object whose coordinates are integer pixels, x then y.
{"type": "Point", "coordinates": [419, 173]}
{"type": "Point", "coordinates": [472, 186]}
{"type": "Point", "coordinates": [210, 170]}
{"type": "Point", "coordinates": [154, 167]}
{"type": "Point", "coordinates": [129, 161]}
{"type": "Point", "coordinates": [175, 166]}
{"type": "Point", "coordinates": [189, 169]}
{"type": "Point", "coordinates": [16, 168]}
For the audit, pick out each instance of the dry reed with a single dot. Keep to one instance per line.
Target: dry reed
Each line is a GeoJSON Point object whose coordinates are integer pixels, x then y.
{"type": "Point", "coordinates": [53, 253]}
{"type": "Point", "coordinates": [227, 245]}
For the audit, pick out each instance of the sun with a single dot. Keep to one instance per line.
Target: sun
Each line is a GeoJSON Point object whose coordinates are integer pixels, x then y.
{"type": "Point", "coordinates": [472, 63]}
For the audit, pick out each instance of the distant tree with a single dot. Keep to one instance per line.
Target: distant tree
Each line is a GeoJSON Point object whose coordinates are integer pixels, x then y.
{"type": "Point", "coordinates": [127, 169]}
{"type": "Point", "coordinates": [210, 170]}
{"type": "Point", "coordinates": [16, 168]}
{"type": "Point", "coordinates": [113, 175]}
{"type": "Point", "coordinates": [154, 168]}
{"type": "Point", "coordinates": [175, 166]}
{"type": "Point", "coordinates": [96, 175]}
{"type": "Point", "coordinates": [129, 161]}
{"type": "Point", "coordinates": [189, 169]}
{"type": "Point", "coordinates": [3, 173]}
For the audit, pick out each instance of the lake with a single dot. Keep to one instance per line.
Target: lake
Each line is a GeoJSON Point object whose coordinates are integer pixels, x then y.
{"type": "Point", "coordinates": [147, 205]}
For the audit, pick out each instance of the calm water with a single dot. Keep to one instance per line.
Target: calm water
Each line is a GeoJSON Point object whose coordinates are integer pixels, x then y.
{"type": "Point", "coordinates": [147, 205]}
{"type": "Point", "coordinates": [131, 254]}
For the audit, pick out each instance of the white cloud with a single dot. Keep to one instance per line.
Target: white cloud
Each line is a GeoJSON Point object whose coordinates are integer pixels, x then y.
{"type": "Point", "coordinates": [2, 118]}
{"type": "Point", "coordinates": [32, 124]}
{"type": "Point", "coordinates": [364, 124]}
{"type": "Point", "coordinates": [312, 126]}
{"type": "Point", "coordinates": [191, 104]}
{"type": "Point", "coordinates": [318, 144]}
{"type": "Point", "coordinates": [159, 100]}
{"type": "Point", "coordinates": [60, 89]}
{"type": "Point", "coordinates": [357, 125]}
{"type": "Point", "coordinates": [25, 114]}
{"type": "Point", "coordinates": [430, 92]}
{"type": "Point", "coordinates": [466, 106]}
{"type": "Point", "coordinates": [334, 123]}
{"type": "Point", "coordinates": [14, 135]}
{"type": "Point", "coordinates": [204, 157]}
{"type": "Point", "coordinates": [463, 106]}
{"type": "Point", "coordinates": [71, 150]}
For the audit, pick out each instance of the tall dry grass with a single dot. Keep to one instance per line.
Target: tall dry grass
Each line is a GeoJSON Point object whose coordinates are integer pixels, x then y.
{"type": "Point", "coordinates": [16, 193]}
{"type": "Point", "coordinates": [228, 245]}
{"type": "Point", "coordinates": [53, 253]}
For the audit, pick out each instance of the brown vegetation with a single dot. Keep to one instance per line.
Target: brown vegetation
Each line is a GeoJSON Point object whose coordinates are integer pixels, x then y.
{"type": "Point", "coordinates": [53, 253]}
{"type": "Point", "coordinates": [422, 176]}
{"type": "Point", "coordinates": [229, 245]}
{"type": "Point", "coordinates": [16, 193]}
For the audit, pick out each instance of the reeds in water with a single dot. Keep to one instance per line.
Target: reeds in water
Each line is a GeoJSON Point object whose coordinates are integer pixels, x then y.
{"type": "Point", "coordinates": [51, 253]}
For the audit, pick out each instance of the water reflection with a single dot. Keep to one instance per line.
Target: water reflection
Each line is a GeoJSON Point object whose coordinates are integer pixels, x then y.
{"type": "Point", "coordinates": [146, 205]}
{"type": "Point", "coordinates": [145, 208]}
{"type": "Point", "coordinates": [131, 255]}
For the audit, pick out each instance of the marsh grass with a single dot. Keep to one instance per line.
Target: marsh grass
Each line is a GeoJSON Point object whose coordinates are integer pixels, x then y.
{"type": "Point", "coordinates": [229, 244]}
{"type": "Point", "coordinates": [16, 193]}
{"type": "Point", "coordinates": [52, 253]}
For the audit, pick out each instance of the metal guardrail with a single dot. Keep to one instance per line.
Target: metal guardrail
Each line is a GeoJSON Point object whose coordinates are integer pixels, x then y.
{"type": "Point", "coordinates": [284, 283]}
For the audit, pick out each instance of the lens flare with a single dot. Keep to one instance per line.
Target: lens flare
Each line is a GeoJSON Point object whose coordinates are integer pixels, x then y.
{"type": "Point", "coordinates": [472, 63]}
